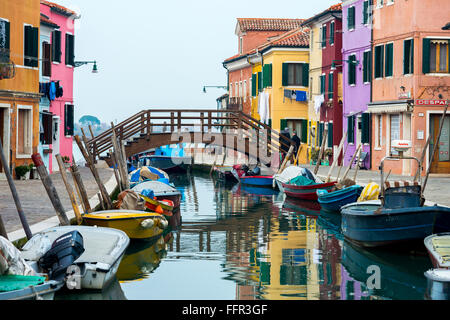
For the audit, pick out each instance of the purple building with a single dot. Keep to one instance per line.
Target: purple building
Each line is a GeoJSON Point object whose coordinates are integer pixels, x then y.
{"type": "Point", "coordinates": [356, 53]}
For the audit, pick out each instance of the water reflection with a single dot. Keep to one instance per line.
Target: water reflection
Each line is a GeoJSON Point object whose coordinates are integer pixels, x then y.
{"type": "Point", "coordinates": [235, 242]}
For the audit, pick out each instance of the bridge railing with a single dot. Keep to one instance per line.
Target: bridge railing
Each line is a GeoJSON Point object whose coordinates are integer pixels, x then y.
{"type": "Point", "coordinates": [144, 123]}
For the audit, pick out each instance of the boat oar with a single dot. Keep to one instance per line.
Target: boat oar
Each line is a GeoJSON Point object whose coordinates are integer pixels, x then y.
{"type": "Point", "coordinates": [12, 187]}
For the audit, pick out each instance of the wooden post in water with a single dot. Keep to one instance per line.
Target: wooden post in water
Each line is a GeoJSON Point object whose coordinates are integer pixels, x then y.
{"type": "Point", "coordinates": [50, 188]}
{"type": "Point", "coordinates": [113, 159]}
{"type": "Point", "coordinates": [94, 171]}
{"type": "Point", "coordinates": [12, 187]}
{"type": "Point", "coordinates": [322, 150]}
{"type": "Point", "coordinates": [80, 185]}
{"type": "Point", "coordinates": [435, 147]}
{"type": "Point", "coordinates": [119, 159]}
{"type": "Point", "coordinates": [71, 193]}
{"type": "Point", "coordinates": [342, 162]}
{"type": "Point", "coordinates": [357, 164]}
{"type": "Point", "coordinates": [125, 167]}
{"type": "Point", "coordinates": [336, 157]}
{"type": "Point", "coordinates": [351, 162]}
{"type": "Point", "coordinates": [286, 159]}
{"type": "Point", "coordinates": [422, 158]}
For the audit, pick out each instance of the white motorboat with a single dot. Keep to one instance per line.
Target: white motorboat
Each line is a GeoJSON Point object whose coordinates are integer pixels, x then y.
{"type": "Point", "coordinates": [96, 267]}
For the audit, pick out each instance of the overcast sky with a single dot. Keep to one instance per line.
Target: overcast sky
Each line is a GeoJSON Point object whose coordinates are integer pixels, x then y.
{"type": "Point", "coordinates": [160, 54]}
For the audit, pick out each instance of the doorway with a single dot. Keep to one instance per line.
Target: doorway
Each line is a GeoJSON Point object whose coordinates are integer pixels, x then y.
{"type": "Point", "coordinates": [55, 143]}
{"type": "Point", "coordinates": [441, 161]}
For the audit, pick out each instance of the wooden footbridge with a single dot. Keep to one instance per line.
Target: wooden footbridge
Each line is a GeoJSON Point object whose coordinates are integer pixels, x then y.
{"type": "Point", "coordinates": [221, 128]}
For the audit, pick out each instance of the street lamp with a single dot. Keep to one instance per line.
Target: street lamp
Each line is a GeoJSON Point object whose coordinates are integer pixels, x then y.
{"type": "Point", "coordinates": [220, 87]}
{"type": "Point", "coordinates": [82, 63]}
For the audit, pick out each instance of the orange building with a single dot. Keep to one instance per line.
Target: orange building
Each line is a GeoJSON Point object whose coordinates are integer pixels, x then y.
{"type": "Point", "coordinates": [19, 80]}
{"type": "Point", "coordinates": [410, 67]}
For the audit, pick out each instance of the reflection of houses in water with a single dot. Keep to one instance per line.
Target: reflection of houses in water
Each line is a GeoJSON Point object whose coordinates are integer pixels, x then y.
{"type": "Point", "coordinates": [351, 288]}
{"type": "Point", "coordinates": [329, 268]}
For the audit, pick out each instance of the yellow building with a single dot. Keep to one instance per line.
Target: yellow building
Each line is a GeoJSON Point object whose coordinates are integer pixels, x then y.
{"type": "Point", "coordinates": [19, 80]}
{"type": "Point", "coordinates": [281, 71]}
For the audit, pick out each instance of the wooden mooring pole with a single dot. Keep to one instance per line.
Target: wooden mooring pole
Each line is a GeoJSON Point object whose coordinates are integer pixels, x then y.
{"type": "Point", "coordinates": [81, 188]}
{"type": "Point", "coordinates": [3, 229]}
{"type": "Point", "coordinates": [12, 187]}
{"type": "Point", "coordinates": [322, 150]}
{"type": "Point", "coordinates": [70, 192]}
{"type": "Point", "coordinates": [51, 190]}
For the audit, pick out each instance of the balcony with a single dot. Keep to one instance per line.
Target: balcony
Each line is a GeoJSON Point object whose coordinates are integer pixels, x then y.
{"type": "Point", "coordinates": [235, 103]}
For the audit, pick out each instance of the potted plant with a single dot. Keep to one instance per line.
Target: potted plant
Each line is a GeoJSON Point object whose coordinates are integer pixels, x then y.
{"type": "Point", "coordinates": [314, 155]}
{"type": "Point", "coordinates": [328, 156]}
{"type": "Point", "coordinates": [66, 161]}
{"type": "Point", "coordinates": [23, 172]}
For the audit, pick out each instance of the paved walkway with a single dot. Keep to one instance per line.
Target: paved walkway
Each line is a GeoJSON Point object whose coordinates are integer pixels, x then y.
{"type": "Point", "coordinates": [35, 201]}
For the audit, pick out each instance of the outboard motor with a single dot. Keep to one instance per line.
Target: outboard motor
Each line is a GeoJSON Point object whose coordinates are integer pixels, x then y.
{"type": "Point", "coordinates": [63, 253]}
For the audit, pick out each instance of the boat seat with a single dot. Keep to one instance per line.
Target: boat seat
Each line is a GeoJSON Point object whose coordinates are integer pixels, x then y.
{"type": "Point", "coordinates": [99, 248]}
{"type": "Point", "coordinates": [402, 195]}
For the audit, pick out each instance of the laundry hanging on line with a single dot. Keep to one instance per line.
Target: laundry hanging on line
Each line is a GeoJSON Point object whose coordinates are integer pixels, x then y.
{"type": "Point", "coordinates": [51, 90]}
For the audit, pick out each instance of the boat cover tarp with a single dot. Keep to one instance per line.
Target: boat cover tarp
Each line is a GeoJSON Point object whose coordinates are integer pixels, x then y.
{"type": "Point", "coordinates": [302, 181]}
{"type": "Point", "coordinates": [11, 262]}
{"type": "Point", "coordinates": [129, 200]}
{"type": "Point", "coordinates": [147, 173]}
{"type": "Point", "coordinates": [370, 192]}
{"type": "Point", "coordinates": [294, 171]}
{"type": "Point", "coordinates": [15, 282]}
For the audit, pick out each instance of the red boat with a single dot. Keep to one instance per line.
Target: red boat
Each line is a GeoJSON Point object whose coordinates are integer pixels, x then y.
{"type": "Point", "coordinates": [306, 192]}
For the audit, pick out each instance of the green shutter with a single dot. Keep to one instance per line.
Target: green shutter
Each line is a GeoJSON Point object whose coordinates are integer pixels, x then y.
{"type": "Point", "coordinates": [365, 128]}
{"type": "Point", "coordinates": [330, 135]}
{"type": "Point", "coordinates": [304, 137]}
{"type": "Point", "coordinates": [412, 56]}
{"type": "Point", "coordinates": [351, 70]}
{"type": "Point", "coordinates": [56, 44]}
{"type": "Point", "coordinates": [426, 56]}
{"type": "Point", "coordinates": [351, 18]}
{"type": "Point", "coordinates": [366, 12]}
{"type": "Point", "coordinates": [267, 75]}
{"type": "Point", "coordinates": [389, 59]}
{"type": "Point", "coordinates": [322, 84]}
{"type": "Point", "coordinates": [332, 33]}
{"type": "Point", "coordinates": [365, 67]}
{"type": "Point", "coordinates": [285, 78]}
{"type": "Point", "coordinates": [330, 86]}
{"type": "Point", "coordinates": [351, 129]}
{"type": "Point", "coordinates": [324, 36]}
{"type": "Point", "coordinates": [379, 61]}
{"type": "Point", "coordinates": [260, 83]}
{"type": "Point", "coordinates": [320, 133]}
{"type": "Point", "coordinates": [69, 120]}
{"type": "Point", "coordinates": [270, 123]}
{"type": "Point", "coordinates": [254, 84]}
{"type": "Point", "coordinates": [35, 47]}
{"type": "Point", "coordinates": [405, 57]}
{"type": "Point", "coordinates": [305, 80]}
{"type": "Point", "coordinates": [283, 124]}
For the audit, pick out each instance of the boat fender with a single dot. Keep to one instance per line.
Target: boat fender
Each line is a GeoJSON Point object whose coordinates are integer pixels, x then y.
{"type": "Point", "coordinates": [147, 223]}
{"type": "Point", "coordinates": [159, 209]}
{"type": "Point", "coordinates": [163, 224]}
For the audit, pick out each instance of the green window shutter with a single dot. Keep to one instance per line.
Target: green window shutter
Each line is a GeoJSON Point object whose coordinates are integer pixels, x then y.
{"type": "Point", "coordinates": [70, 52]}
{"type": "Point", "coordinates": [379, 61]}
{"type": "Point", "coordinates": [331, 41]}
{"type": "Point", "coordinates": [412, 56]}
{"type": "Point", "coordinates": [283, 124]}
{"type": "Point", "coordinates": [267, 75]}
{"type": "Point", "coordinates": [27, 46]}
{"type": "Point", "coordinates": [324, 36]}
{"type": "Point", "coordinates": [426, 56]}
{"type": "Point", "coordinates": [366, 12]}
{"type": "Point", "coordinates": [351, 129]}
{"type": "Point", "coordinates": [305, 80]}
{"type": "Point", "coordinates": [330, 86]}
{"type": "Point", "coordinates": [330, 135]}
{"type": "Point", "coordinates": [304, 137]}
{"type": "Point", "coordinates": [285, 71]}
{"type": "Point", "coordinates": [351, 18]}
{"type": "Point", "coordinates": [260, 83]}
{"type": "Point", "coordinates": [365, 128]}
{"type": "Point", "coordinates": [254, 84]}
{"type": "Point", "coordinates": [56, 46]}
{"type": "Point", "coordinates": [270, 123]}
{"type": "Point", "coordinates": [389, 48]}
{"type": "Point", "coordinates": [322, 84]}
{"type": "Point", "coordinates": [365, 67]}
{"type": "Point", "coordinates": [405, 57]}
{"type": "Point", "coordinates": [351, 70]}
{"type": "Point", "coordinates": [320, 133]}
{"type": "Point", "coordinates": [35, 47]}
{"type": "Point", "coordinates": [68, 120]}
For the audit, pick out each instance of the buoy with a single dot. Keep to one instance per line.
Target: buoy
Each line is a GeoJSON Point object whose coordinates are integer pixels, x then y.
{"type": "Point", "coordinates": [163, 224]}
{"type": "Point", "coordinates": [147, 223]}
{"type": "Point", "coordinates": [159, 209]}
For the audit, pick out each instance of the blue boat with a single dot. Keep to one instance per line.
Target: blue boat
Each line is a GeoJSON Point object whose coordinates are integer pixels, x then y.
{"type": "Point", "coordinates": [259, 191]}
{"type": "Point", "coordinates": [333, 201]}
{"type": "Point", "coordinates": [169, 158]}
{"type": "Point", "coordinates": [400, 216]}
{"type": "Point", "coordinates": [260, 181]}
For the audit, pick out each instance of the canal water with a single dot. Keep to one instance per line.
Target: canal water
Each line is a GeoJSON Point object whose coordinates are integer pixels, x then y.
{"type": "Point", "coordinates": [249, 243]}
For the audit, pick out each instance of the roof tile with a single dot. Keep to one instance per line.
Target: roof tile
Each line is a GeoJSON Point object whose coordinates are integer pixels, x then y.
{"type": "Point", "coordinates": [268, 24]}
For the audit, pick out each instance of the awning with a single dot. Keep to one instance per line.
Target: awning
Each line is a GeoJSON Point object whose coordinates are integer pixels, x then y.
{"type": "Point", "coordinates": [395, 106]}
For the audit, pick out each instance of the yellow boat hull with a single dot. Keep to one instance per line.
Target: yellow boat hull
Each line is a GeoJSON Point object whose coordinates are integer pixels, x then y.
{"type": "Point", "coordinates": [136, 224]}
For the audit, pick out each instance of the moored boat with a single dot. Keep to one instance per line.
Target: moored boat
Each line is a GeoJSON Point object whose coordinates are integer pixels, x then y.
{"type": "Point", "coordinates": [306, 192]}
{"type": "Point", "coordinates": [438, 247]}
{"type": "Point", "coordinates": [334, 200]}
{"type": "Point", "coordinates": [438, 284]}
{"type": "Point", "coordinates": [136, 224]}
{"type": "Point", "coordinates": [98, 262]}
{"type": "Point", "coordinates": [161, 191]}
{"type": "Point", "coordinates": [18, 287]}
{"type": "Point", "coordinates": [258, 181]}
{"type": "Point", "coordinates": [292, 172]}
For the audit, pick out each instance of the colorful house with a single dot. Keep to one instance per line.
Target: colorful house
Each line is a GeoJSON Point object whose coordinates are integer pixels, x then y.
{"type": "Point", "coordinates": [19, 81]}
{"type": "Point", "coordinates": [329, 23]}
{"type": "Point", "coordinates": [356, 51]}
{"type": "Point", "coordinates": [62, 66]}
{"type": "Point", "coordinates": [251, 33]}
{"type": "Point", "coordinates": [284, 80]}
{"type": "Point", "coordinates": [411, 81]}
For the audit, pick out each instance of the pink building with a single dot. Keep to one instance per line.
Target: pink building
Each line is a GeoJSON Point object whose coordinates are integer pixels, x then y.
{"type": "Point", "coordinates": [62, 64]}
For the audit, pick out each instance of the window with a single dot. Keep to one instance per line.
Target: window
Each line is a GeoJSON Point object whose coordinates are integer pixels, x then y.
{"type": "Point", "coordinates": [46, 128]}
{"type": "Point", "coordinates": [245, 90]}
{"type": "Point", "coordinates": [56, 46]}
{"type": "Point", "coordinates": [300, 127]}
{"type": "Point", "coordinates": [46, 57]}
{"type": "Point", "coordinates": [395, 130]}
{"type": "Point", "coordinates": [250, 87]}
{"type": "Point", "coordinates": [436, 56]}
{"type": "Point", "coordinates": [332, 33]}
{"type": "Point", "coordinates": [351, 18]}
{"type": "Point", "coordinates": [4, 41]}
{"type": "Point", "coordinates": [330, 86]}
{"type": "Point", "coordinates": [367, 66]}
{"type": "Point", "coordinates": [330, 135]}
{"type": "Point", "coordinates": [365, 128]}
{"type": "Point", "coordinates": [351, 129]}
{"type": "Point", "coordinates": [254, 84]}
{"type": "Point", "coordinates": [408, 56]}
{"type": "Point", "coordinates": [236, 89]}
{"type": "Point", "coordinates": [267, 75]}
{"type": "Point", "coordinates": [352, 69]}
{"type": "Point", "coordinates": [70, 50]}
{"type": "Point", "coordinates": [231, 90]}
{"type": "Point", "coordinates": [68, 120]}
{"type": "Point", "coordinates": [380, 3]}
{"type": "Point", "coordinates": [322, 84]}
{"type": "Point", "coordinates": [324, 36]}
{"type": "Point", "coordinates": [367, 14]}
{"type": "Point", "coordinates": [24, 130]}
{"type": "Point", "coordinates": [379, 134]}
{"type": "Point", "coordinates": [295, 74]}
{"type": "Point", "coordinates": [379, 61]}
{"type": "Point", "coordinates": [389, 59]}
{"type": "Point", "coordinates": [31, 40]}
{"type": "Point", "coordinates": [260, 81]}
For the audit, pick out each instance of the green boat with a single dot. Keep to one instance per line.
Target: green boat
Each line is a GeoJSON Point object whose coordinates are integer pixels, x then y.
{"type": "Point", "coordinates": [14, 287]}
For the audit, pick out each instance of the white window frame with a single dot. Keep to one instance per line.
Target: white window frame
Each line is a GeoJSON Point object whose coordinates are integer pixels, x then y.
{"type": "Point", "coordinates": [29, 135]}
{"type": "Point", "coordinates": [379, 132]}
{"type": "Point", "coordinates": [244, 90]}
{"type": "Point", "coordinates": [7, 128]}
